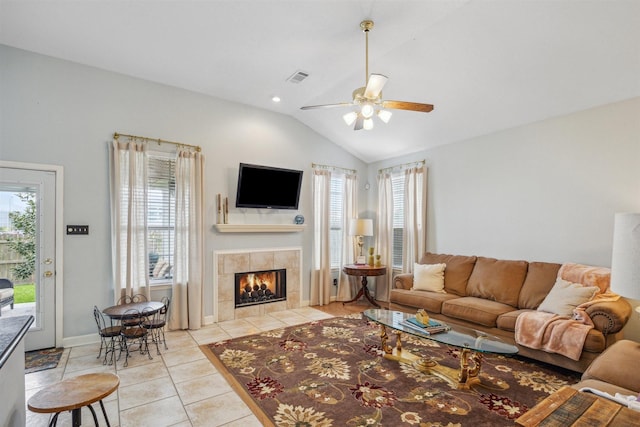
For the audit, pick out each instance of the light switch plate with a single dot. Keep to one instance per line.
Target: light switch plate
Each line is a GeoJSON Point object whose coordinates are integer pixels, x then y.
{"type": "Point", "coordinates": [77, 229]}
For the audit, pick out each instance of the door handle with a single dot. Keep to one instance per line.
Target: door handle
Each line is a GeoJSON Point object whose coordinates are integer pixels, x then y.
{"type": "Point", "coordinates": [48, 273]}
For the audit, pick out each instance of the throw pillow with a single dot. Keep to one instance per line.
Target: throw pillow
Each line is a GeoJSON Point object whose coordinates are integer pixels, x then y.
{"type": "Point", "coordinates": [428, 277]}
{"type": "Point", "coordinates": [565, 296]}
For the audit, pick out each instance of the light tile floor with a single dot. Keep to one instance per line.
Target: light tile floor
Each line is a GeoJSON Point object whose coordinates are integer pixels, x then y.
{"type": "Point", "coordinates": [178, 388]}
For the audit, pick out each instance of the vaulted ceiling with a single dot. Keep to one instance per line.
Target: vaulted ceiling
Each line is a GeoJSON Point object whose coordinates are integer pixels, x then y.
{"type": "Point", "coordinates": [486, 65]}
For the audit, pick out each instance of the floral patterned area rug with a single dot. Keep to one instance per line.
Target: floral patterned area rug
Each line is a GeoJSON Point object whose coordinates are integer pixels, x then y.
{"type": "Point", "coordinates": [39, 360]}
{"type": "Point", "coordinates": [332, 373]}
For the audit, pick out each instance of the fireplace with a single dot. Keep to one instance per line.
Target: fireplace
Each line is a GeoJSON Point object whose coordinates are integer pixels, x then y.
{"type": "Point", "coordinates": [260, 287]}
{"type": "Point", "coordinates": [226, 263]}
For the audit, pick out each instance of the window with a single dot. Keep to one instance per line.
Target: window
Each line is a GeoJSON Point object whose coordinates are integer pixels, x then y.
{"type": "Point", "coordinates": [336, 214]}
{"type": "Point", "coordinates": [161, 203]}
{"type": "Point", "coordinates": [397, 189]}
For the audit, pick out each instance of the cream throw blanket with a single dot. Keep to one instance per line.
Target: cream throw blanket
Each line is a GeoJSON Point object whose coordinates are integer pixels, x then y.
{"type": "Point", "coordinates": [563, 335]}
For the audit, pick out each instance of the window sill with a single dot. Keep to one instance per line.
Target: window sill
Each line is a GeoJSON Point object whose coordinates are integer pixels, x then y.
{"type": "Point", "coordinates": [161, 285]}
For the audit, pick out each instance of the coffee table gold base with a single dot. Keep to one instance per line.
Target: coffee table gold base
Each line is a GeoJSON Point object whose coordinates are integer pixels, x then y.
{"type": "Point", "coordinates": [463, 378]}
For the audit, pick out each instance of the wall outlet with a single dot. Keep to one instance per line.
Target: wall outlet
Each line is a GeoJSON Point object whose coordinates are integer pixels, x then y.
{"type": "Point", "coordinates": [77, 229]}
{"type": "Point", "coordinates": [335, 282]}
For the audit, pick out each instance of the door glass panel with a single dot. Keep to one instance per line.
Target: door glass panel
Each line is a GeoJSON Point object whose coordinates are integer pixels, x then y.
{"type": "Point", "coordinates": [28, 249]}
{"type": "Point", "coordinates": [18, 248]}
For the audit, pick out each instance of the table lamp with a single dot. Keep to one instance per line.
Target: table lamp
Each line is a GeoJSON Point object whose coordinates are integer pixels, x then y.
{"type": "Point", "coordinates": [625, 256]}
{"type": "Point", "coordinates": [360, 228]}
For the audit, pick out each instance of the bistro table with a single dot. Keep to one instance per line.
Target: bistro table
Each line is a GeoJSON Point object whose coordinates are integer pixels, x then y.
{"type": "Point", "coordinates": [123, 311]}
{"type": "Point", "coordinates": [133, 310]}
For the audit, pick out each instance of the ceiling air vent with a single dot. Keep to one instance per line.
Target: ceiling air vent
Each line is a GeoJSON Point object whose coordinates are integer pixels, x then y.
{"type": "Point", "coordinates": [298, 77]}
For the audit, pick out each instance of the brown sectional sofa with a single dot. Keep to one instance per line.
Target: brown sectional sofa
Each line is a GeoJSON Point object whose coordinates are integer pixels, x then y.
{"type": "Point", "coordinates": [488, 294]}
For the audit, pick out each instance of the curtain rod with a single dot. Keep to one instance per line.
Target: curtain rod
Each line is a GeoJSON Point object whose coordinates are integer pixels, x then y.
{"type": "Point", "coordinates": [403, 166]}
{"type": "Point", "coordinates": [116, 135]}
{"type": "Point", "coordinates": [333, 168]}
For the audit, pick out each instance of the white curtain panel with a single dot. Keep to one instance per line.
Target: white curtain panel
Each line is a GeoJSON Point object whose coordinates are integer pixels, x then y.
{"type": "Point", "coordinates": [321, 270]}
{"type": "Point", "coordinates": [414, 234]}
{"type": "Point", "coordinates": [128, 189]}
{"type": "Point", "coordinates": [347, 284]}
{"type": "Point", "coordinates": [187, 302]}
{"type": "Point", "coordinates": [384, 234]}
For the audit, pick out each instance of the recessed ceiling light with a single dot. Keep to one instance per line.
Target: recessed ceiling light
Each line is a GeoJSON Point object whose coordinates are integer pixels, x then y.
{"type": "Point", "coordinates": [275, 98]}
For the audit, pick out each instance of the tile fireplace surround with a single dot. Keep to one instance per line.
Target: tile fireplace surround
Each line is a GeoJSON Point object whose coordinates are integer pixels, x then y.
{"type": "Point", "coordinates": [227, 263]}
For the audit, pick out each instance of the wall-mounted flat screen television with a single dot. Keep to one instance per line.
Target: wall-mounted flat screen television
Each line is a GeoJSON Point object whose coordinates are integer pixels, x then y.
{"type": "Point", "coordinates": [268, 187]}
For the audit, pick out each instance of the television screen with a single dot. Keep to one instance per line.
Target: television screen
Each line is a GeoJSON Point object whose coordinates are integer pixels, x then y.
{"type": "Point", "coordinates": [268, 187]}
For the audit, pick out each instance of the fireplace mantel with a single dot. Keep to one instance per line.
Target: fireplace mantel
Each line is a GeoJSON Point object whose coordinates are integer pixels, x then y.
{"type": "Point", "coordinates": [259, 228]}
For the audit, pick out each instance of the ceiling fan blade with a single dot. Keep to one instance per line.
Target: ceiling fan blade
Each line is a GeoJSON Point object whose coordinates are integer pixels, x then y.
{"type": "Point", "coordinates": [404, 105]}
{"type": "Point", "coordinates": [340, 104]}
{"type": "Point", "coordinates": [374, 86]}
{"type": "Point", "coordinates": [359, 122]}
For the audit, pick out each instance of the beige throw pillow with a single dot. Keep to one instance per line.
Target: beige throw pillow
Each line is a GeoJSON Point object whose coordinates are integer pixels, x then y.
{"type": "Point", "coordinates": [428, 277]}
{"type": "Point", "coordinates": [565, 296]}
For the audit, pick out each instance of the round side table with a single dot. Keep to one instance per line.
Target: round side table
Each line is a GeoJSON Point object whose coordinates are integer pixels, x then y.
{"type": "Point", "coordinates": [364, 271]}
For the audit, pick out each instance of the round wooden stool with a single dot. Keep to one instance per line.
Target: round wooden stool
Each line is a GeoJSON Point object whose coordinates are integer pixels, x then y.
{"type": "Point", "coordinates": [74, 393]}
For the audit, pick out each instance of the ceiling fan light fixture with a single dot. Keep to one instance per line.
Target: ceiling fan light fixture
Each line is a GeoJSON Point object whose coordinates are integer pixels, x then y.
{"type": "Point", "coordinates": [367, 100]}
{"type": "Point", "coordinates": [350, 118]}
{"type": "Point", "coordinates": [367, 110]}
{"type": "Point", "coordinates": [385, 115]}
{"type": "Point", "coordinates": [367, 124]}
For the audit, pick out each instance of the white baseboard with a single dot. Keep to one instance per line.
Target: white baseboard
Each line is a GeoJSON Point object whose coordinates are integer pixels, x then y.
{"type": "Point", "coordinates": [94, 338]}
{"type": "Point", "coordinates": [80, 340]}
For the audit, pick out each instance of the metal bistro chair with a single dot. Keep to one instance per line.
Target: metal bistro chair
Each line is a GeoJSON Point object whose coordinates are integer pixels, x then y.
{"type": "Point", "coordinates": [132, 332]}
{"type": "Point", "coordinates": [138, 298]}
{"type": "Point", "coordinates": [108, 336]}
{"type": "Point", "coordinates": [156, 322]}
{"type": "Point", "coordinates": [127, 299]}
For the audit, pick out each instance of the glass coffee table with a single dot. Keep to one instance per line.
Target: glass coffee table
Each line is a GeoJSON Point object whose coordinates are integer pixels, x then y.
{"type": "Point", "coordinates": [470, 341]}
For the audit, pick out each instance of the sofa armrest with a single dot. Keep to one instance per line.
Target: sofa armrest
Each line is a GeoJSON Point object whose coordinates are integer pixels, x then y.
{"type": "Point", "coordinates": [403, 281]}
{"type": "Point", "coordinates": [609, 317]}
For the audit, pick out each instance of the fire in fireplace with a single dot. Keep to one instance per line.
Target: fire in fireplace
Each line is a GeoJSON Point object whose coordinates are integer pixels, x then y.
{"type": "Point", "coordinates": [260, 287]}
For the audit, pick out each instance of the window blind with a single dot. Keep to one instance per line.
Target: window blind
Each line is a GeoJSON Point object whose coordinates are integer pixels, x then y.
{"type": "Point", "coordinates": [161, 205]}
{"type": "Point", "coordinates": [397, 190]}
{"type": "Point", "coordinates": [336, 214]}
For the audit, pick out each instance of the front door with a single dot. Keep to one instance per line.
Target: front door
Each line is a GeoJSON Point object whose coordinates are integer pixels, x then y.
{"type": "Point", "coordinates": [28, 216]}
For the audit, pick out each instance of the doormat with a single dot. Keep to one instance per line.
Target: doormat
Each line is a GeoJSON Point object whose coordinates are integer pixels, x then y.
{"type": "Point", "coordinates": [39, 360]}
{"type": "Point", "coordinates": [332, 373]}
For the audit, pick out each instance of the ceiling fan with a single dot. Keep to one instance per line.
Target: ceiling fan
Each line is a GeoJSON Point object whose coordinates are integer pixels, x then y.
{"type": "Point", "coordinates": [368, 99]}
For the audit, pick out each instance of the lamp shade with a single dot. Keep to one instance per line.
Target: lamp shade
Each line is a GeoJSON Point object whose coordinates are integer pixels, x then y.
{"type": "Point", "coordinates": [625, 256]}
{"type": "Point", "coordinates": [361, 227]}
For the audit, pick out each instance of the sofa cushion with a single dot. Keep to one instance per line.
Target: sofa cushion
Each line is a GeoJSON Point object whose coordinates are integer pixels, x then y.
{"type": "Point", "coordinates": [457, 273]}
{"type": "Point", "coordinates": [539, 280]}
{"type": "Point", "coordinates": [428, 277]}
{"type": "Point", "coordinates": [565, 296]}
{"type": "Point", "coordinates": [507, 321]}
{"type": "Point", "coordinates": [430, 301]}
{"type": "Point", "coordinates": [497, 280]}
{"type": "Point", "coordinates": [476, 310]}
{"type": "Point", "coordinates": [6, 293]}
